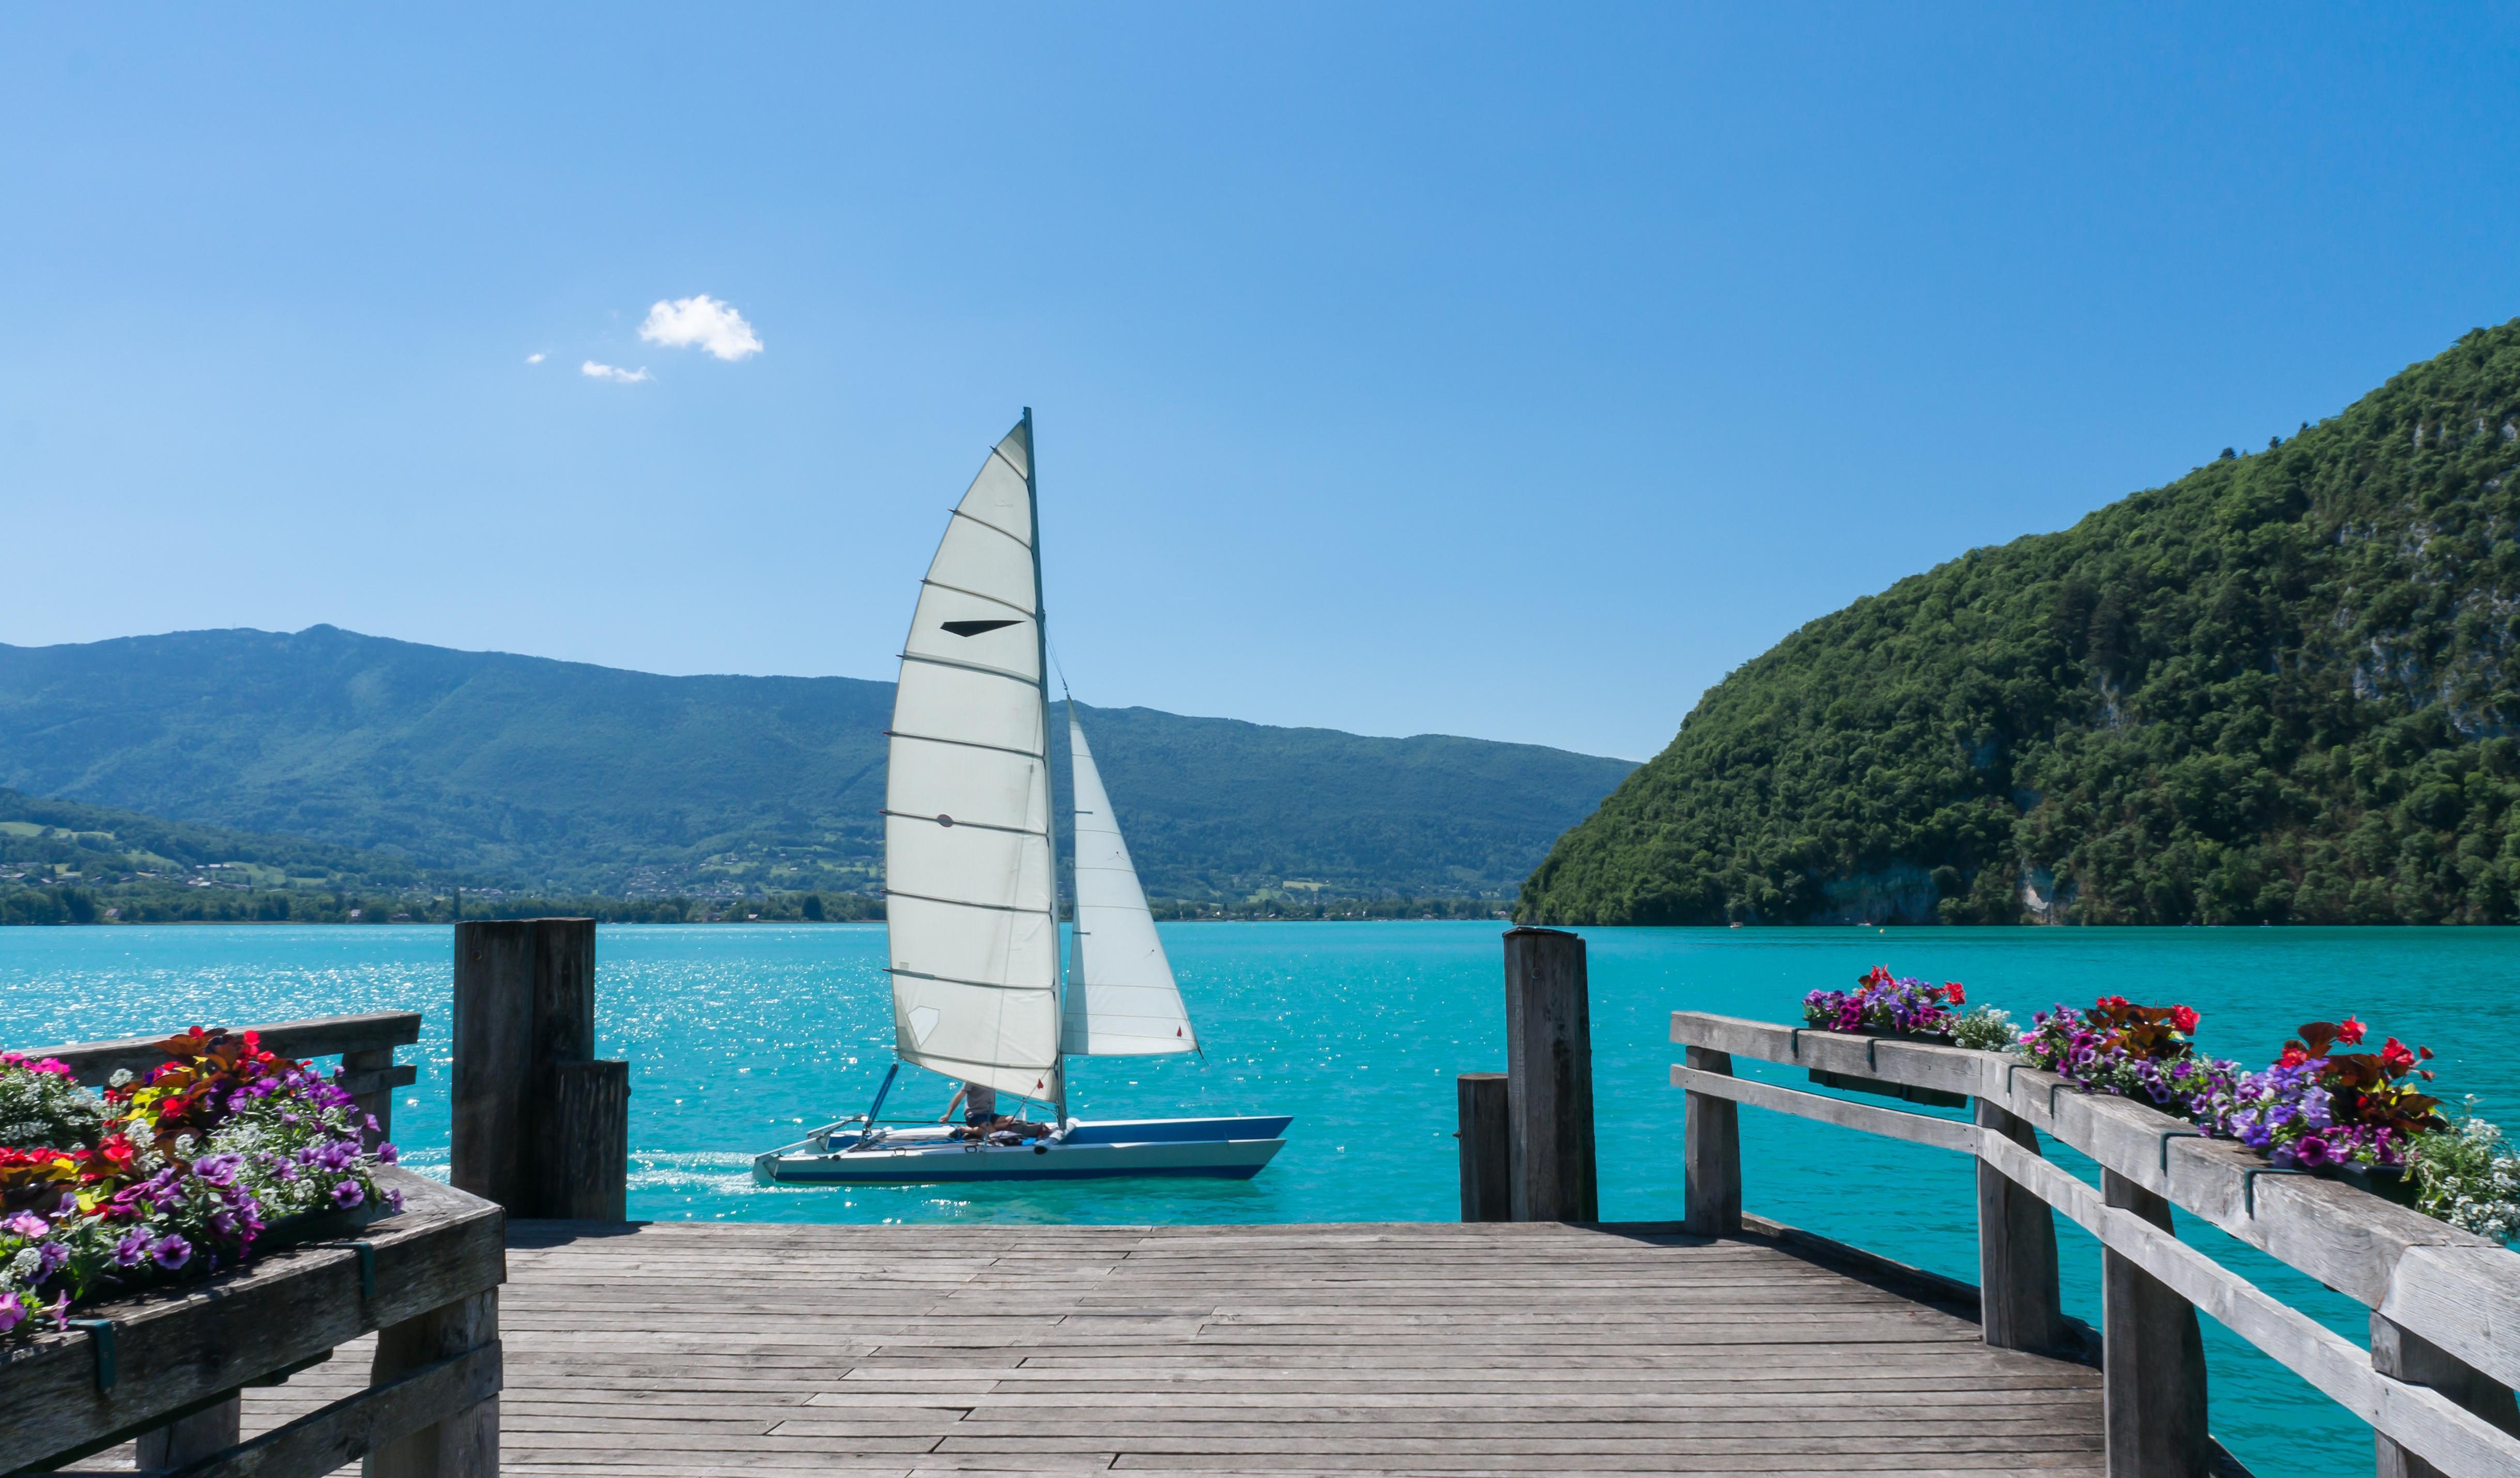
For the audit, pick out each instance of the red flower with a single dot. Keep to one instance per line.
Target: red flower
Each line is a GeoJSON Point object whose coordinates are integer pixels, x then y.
{"type": "Point", "coordinates": [2397, 1058]}
{"type": "Point", "coordinates": [2293, 1056]}
{"type": "Point", "coordinates": [2351, 1032]}
{"type": "Point", "coordinates": [2184, 1017]}
{"type": "Point", "coordinates": [1958, 997]}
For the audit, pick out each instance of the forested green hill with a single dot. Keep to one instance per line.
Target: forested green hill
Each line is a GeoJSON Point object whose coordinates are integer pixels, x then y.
{"type": "Point", "coordinates": [559, 777]}
{"type": "Point", "coordinates": [2279, 689]}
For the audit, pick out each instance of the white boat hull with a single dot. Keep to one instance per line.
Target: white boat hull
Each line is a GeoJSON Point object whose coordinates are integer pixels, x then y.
{"type": "Point", "coordinates": [1215, 1148]}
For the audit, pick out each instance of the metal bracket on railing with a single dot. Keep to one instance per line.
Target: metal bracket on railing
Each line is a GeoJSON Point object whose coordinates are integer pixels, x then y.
{"type": "Point", "coordinates": [2009, 1068]}
{"type": "Point", "coordinates": [1870, 1042]}
{"type": "Point", "coordinates": [2052, 1096]}
{"type": "Point", "coordinates": [100, 1333]}
{"type": "Point", "coordinates": [1796, 1041]}
{"type": "Point", "coordinates": [2169, 1134]}
{"type": "Point", "coordinates": [2249, 1185]}
{"type": "Point", "coordinates": [367, 1252]}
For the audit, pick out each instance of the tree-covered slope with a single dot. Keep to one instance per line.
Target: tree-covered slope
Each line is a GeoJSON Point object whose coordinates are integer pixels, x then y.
{"type": "Point", "coordinates": [560, 776]}
{"type": "Point", "coordinates": [2278, 689]}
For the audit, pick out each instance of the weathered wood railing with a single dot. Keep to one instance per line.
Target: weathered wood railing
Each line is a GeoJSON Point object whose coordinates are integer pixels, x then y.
{"type": "Point", "coordinates": [2436, 1385]}
{"type": "Point", "coordinates": [166, 1367]}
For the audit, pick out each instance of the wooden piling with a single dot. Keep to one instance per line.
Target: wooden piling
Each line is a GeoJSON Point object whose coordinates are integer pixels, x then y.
{"type": "Point", "coordinates": [2153, 1359]}
{"type": "Point", "coordinates": [1487, 1154]}
{"type": "Point", "coordinates": [189, 1438]}
{"type": "Point", "coordinates": [2019, 1308]}
{"type": "Point", "coordinates": [1549, 1061]}
{"type": "Point", "coordinates": [1711, 1154]}
{"type": "Point", "coordinates": [533, 1118]}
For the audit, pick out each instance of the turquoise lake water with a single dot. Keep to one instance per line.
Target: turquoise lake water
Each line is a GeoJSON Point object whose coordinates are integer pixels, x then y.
{"type": "Point", "coordinates": [738, 1036]}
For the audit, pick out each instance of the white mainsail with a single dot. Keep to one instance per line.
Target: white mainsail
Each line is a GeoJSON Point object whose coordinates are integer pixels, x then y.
{"type": "Point", "coordinates": [970, 886]}
{"type": "Point", "coordinates": [1121, 997]}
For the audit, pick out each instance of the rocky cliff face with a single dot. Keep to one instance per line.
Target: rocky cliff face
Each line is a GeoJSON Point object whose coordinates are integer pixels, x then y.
{"type": "Point", "coordinates": [2273, 690]}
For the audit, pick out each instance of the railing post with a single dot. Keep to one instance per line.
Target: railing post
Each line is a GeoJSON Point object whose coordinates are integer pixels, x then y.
{"type": "Point", "coordinates": [1711, 1164]}
{"type": "Point", "coordinates": [2152, 1357]}
{"type": "Point", "coordinates": [1487, 1159]}
{"type": "Point", "coordinates": [533, 1117]}
{"type": "Point", "coordinates": [2018, 1306]}
{"type": "Point", "coordinates": [464, 1445]}
{"type": "Point", "coordinates": [379, 1103]}
{"type": "Point", "coordinates": [1549, 1064]}
{"type": "Point", "coordinates": [2400, 1352]}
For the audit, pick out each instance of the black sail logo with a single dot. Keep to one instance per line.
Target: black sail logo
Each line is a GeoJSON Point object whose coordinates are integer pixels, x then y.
{"type": "Point", "coordinates": [975, 628]}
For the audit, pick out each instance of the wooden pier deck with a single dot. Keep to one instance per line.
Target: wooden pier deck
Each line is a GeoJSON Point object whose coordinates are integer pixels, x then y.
{"type": "Point", "coordinates": [680, 1349]}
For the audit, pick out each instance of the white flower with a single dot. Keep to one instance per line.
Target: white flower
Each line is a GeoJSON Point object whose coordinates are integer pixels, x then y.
{"type": "Point", "coordinates": [121, 1078]}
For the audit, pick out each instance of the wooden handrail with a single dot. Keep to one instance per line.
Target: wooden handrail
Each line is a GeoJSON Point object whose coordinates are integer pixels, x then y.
{"type": "Point", "coordinates": [314, 1037]}
{"type": "Point", "coordinates": [2454, 1291]}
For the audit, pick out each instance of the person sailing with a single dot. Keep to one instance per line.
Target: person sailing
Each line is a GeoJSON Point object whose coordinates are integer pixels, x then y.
{"type": "Point", "coordinates": [979, 1102]}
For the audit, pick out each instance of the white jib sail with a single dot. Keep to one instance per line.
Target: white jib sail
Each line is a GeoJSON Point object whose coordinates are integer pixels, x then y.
{"type": "Point", "coordinates": [967, 870]}
{"type": "Point", "coordinates": [1121, 998]}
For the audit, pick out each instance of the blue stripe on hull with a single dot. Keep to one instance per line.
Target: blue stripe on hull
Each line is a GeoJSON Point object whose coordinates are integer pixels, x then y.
{"type": "Point", "coordinates": [1178, 1131]}
{"type": "Point", "coordinates": [948, 1177]}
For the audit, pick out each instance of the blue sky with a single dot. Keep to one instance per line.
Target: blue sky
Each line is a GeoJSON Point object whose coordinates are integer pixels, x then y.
{"type": "Point", "coordinates": [1399, 368]}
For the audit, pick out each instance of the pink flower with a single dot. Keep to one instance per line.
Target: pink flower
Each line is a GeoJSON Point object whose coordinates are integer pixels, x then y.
{"type": "Point", "coordinates": [13, 1312]}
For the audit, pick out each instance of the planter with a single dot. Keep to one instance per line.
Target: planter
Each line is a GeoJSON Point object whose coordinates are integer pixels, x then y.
{"type": "Point", "coordinates": [2390, 1182]}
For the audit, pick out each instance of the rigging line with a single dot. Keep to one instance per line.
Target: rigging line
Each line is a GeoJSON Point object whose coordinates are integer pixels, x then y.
{"type": "Point", "coordinates": [984, 985]}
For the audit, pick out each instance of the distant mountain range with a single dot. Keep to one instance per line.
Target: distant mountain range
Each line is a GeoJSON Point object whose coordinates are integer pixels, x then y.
{"type": "Point", "coordinates": [527, 772]}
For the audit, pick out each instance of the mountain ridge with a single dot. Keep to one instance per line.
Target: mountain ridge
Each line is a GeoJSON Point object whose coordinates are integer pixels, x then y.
{"type": "Point", "coordinates": [2274, 690]}
{"type": "Point", "coordinates": [575, 775]}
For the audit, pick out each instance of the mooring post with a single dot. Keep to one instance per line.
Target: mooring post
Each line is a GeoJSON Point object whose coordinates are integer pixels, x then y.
{"type": "Point", "coordinates": [2018, 1305]}
{"type": "Point", "coordinates": [2152, 1358]}
{"type": "Point", "coordinates": [1548, 1067]}
{"type": "Point", "coordinates": [2410, 1356]}
{"type": "Point", "coordinates": [538, 1126]}
{"type": "Point", "coordinates": [1487, 1156]}
{"type": "Point", "coordinates": [1711, 1154]}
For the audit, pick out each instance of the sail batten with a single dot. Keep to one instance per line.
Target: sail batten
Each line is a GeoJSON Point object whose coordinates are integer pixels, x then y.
{"type": "Point", "coordinates": [970, 885]}
{"type": "Point", "coordinates": [1122, 1000]}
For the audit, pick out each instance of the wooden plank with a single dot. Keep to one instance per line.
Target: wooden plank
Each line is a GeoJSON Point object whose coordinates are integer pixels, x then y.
{"type": "Point", "coordinates": [1549, 1061]}
{"type": "Point", "coordinates": [1890, 1123]}
{"type": "Point", "coordinates": [185, 1439]}
{"type": "Point", "coordinates": [367, 1420]}
{"type": "Point", "coordinates": [313, 1037]}
{"type": "Point", "coordinates": [1487, 1156]}
{"type": "Point", "coordinates": [456, 1438]}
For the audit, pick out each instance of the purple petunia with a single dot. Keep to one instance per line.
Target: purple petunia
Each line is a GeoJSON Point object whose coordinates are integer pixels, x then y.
{"type": "Point", "coordinates": [132, 1249]}
{"type": "Point", "coordinates": [172, 1251]}
{"type": "Point", "coordinates": [347, 1193]}
{"type": "Point", "coordinates": [13, 1312]}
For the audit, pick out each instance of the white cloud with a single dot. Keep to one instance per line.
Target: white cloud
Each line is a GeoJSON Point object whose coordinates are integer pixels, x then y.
{"type": "Point", "coordinates": [533, 359]}
{"type": "Point", "coordinates": [701, 322]}
{"type": "Point", "coordinates": [613, 372]}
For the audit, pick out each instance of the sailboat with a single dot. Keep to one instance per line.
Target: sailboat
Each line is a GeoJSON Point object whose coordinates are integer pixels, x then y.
{"type": "Point", "coordinates": [971, 891]}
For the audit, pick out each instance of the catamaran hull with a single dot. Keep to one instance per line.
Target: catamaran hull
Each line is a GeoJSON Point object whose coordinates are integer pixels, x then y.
{"type": "Point", "coordinates": [1233, 1149]}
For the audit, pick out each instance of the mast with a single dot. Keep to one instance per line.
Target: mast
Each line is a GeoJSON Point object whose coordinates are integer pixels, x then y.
{"type": "Point", "coordinates": [1041, 636]}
